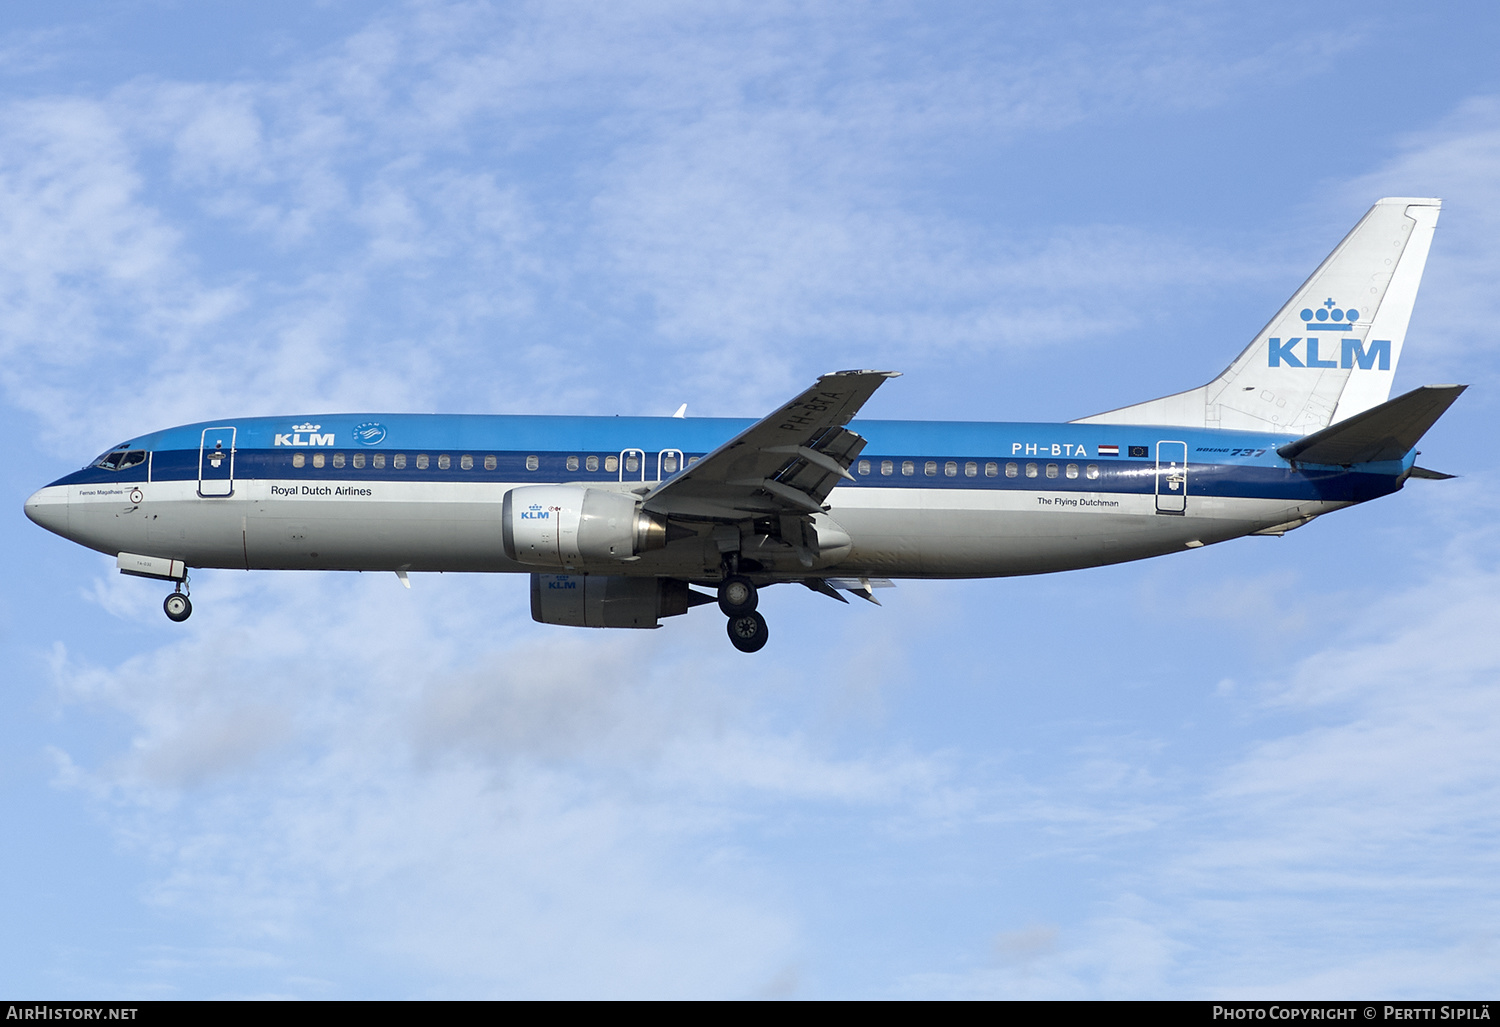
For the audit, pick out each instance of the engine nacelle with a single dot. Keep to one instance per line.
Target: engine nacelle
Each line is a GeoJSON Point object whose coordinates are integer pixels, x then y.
{"type": "Point", "coordinates": [564, 526]}
{"type": "Point", "coordinates": [609, 600]}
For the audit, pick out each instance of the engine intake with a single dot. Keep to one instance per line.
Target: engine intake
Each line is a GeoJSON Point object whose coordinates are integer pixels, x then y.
{"type": "Point", "coordinates": [564, 526]}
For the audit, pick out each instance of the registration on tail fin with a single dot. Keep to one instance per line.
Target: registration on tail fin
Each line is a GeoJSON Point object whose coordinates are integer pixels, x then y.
{"type": "Point", "coordinates": [1331, 351]}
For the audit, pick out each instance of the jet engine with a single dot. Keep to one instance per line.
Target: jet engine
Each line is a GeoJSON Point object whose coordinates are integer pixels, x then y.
{"type": "Point", "coordinates": [609, 600]}
{"type": "Point", "coordinates": [564, 526]}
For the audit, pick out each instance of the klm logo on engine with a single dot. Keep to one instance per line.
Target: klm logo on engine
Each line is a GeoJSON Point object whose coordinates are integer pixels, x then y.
{"type": "Point", "coordinates": [304, 435]}
{"type": "Point", "coordinates": [535, 513]}
{"type": "Point", "coordinates": [1330, 317]}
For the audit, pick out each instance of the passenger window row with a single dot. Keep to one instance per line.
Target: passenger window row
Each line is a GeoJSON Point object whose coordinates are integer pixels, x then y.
{"type": "Point", "coordinates": [422, 461]}
{"type": "Point", "coordinates": [971, 469]}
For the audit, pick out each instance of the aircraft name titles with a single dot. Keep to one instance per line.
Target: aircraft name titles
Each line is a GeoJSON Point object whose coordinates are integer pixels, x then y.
{"type": "Point", "coordinates": [1076, 502]}
{"type": "Point", "coordinates": [320, 490]}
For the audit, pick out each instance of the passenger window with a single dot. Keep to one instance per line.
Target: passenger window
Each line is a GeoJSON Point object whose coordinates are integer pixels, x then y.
{"type": "Point", "coordinates": [992, 470]}
{"type": "Point", "coordinates": [929, 468]}
{"type": "Point", "coordinates": [692, 460]}
{"type": "Point", "coordinates": [632, 463]}
{"type": "Point", "coordinates": [398, 462]}
{"type": "Point", "coordinates": [1052, 470]}
{"type": "Point", "coordinates": [532, 463]}
{"type": "Point", "coordinates": [466, 462]}
{"type": "Point", "coordinates": [421, 461]}
{"type": "Point", "coordinates": [611, 464]}
{"type": "Point", "coordinates": [864, 467]}
{"type": "Point", "coordinates": [377, 461]}
{"type": "Point", "coordinates": [338, 460]}
{"type": "Point", "coordinates": [299, 459]}
{"type": "Point", "coordinates": [951, 468]}
{"type": "Point", "coordinates": [971, 470]}
{"type": "Point", "coordinates": [1031, 470]}
{"type": "Point", "coordinates": [444, 462]}
{"type": "Point", "coordinates": [1071, 470]}
{"type": "Point", "coordinates": [1091, 471]}
{"type": "Point", "coordinates": [318, 459]}
{"type": "Point", "coordinates": [908, 467]}
{"type": "Point", "coordinates": [887, 467]}
{"type": "Point", "coordinates": [490, 463]}
{"type": "Point", "coordinates": [669, 463]}
{"type": "Point", "coordinates": [572, 463]}
{"type": "Point", "coordinates": [1012, 469]}
{"type": "Point", "coordinates": [359, 459]}
{"type": "Point", "coordinates": [591, 463]}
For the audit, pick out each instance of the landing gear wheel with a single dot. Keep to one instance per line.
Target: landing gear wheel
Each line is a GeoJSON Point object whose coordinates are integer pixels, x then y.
{"type": "Point", "coordinates": [748, 632]}
{"type": "Point", "coordinates": [178, 606]}
{"type": "Point", "coordinates": [738, 596]}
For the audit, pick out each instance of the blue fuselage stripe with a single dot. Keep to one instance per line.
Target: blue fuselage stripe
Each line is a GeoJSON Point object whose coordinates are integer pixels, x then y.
{"type": "Point", "coordinates": [1115, 475]}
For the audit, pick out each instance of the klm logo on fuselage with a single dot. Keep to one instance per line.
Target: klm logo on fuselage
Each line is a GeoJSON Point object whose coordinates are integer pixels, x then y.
{"type": "Point", "coordinates": [1330, 317]}
{"type": "Point", "coordinates": [304, 435]}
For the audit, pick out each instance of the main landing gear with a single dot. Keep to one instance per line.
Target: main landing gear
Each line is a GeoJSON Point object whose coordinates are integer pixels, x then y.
{"type": "Point", "coordinates": [738, 598]}
{"type": "Point", "coordinates": [178, 606]}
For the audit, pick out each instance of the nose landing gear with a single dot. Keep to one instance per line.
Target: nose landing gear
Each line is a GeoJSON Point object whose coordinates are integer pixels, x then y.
{"type": "Point", "coordinates": [177, 605]}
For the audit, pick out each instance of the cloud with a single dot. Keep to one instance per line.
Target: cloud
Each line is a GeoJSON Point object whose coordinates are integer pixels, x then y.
{"type": "Point", "coordinates": [457, 206]}
{"type": "Point", "coordinates": [555, 208]}
{"type": "Point", "coordinates": [499, 809]}
{"type": "Point", "coordinates": [1458, 159]}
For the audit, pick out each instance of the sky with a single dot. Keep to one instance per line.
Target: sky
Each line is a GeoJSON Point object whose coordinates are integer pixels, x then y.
{"type": "Point", "coordinates": [1268, 768]}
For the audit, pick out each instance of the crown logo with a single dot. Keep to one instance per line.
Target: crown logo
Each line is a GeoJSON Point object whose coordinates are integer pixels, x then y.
{"type": "Point", "coordinates": [1329, 316]}
{"type": "Point", "coordinates": [306, 427]}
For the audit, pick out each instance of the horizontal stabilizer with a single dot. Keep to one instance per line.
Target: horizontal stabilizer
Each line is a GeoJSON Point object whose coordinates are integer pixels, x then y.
{"type": "Point", "coordinates": [1423, 472]}
{"type": "Point", "coordinates": [1386, 432]}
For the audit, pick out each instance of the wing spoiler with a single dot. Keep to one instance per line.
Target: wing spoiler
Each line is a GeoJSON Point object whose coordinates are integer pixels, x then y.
{"type": "Point", "coordinates": [785, 463]}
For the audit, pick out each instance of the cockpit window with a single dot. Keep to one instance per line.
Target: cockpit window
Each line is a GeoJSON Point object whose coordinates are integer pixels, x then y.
{"type": "Point", "coordinates": [119, 459]}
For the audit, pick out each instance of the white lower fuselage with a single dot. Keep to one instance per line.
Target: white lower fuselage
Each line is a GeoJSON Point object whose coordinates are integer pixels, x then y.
{"type": "Point", "coordinates": [451, 526]}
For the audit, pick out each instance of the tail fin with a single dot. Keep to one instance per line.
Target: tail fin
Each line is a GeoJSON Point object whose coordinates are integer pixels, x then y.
{"type": "Point", "coordinates": [1331, 351]}
{"type": "Point", "coordinates": [1385, 432]}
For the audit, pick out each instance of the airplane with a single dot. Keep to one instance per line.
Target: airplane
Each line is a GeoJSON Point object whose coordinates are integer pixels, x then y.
{"type": "Point", "coordinates": [624, 521]}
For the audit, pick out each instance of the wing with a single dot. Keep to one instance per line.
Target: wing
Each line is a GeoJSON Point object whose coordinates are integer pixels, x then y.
{"type": "Point", "coordinates": [785, 463]}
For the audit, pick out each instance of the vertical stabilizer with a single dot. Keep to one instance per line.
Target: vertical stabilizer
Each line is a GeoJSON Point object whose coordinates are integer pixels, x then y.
{"type": "Point", "coordinates": [1331, 351]}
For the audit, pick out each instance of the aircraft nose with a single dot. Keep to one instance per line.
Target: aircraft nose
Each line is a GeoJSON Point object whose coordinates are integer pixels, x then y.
{"type": "Point", "coordinates": [49, 508]}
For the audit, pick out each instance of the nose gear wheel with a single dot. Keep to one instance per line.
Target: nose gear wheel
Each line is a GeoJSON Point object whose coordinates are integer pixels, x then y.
{"type": "Point", "coordinates": [178, 607]}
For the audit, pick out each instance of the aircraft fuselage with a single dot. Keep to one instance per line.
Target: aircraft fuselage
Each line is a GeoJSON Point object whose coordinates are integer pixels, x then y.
{"type": "Point", "coordinates": [927, 499]}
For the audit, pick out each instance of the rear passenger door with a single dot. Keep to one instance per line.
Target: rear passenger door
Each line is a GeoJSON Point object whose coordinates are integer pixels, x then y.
{"type": "Point", "coordinates": [1171, 477]}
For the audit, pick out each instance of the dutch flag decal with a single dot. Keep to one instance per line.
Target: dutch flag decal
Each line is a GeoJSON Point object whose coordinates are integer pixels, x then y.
{"type": "Point", "coordinates": [1109, 450]}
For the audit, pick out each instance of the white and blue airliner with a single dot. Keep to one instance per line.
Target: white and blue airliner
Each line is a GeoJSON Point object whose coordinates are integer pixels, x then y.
{"type": "Point", "coordinates": [617, 519]}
